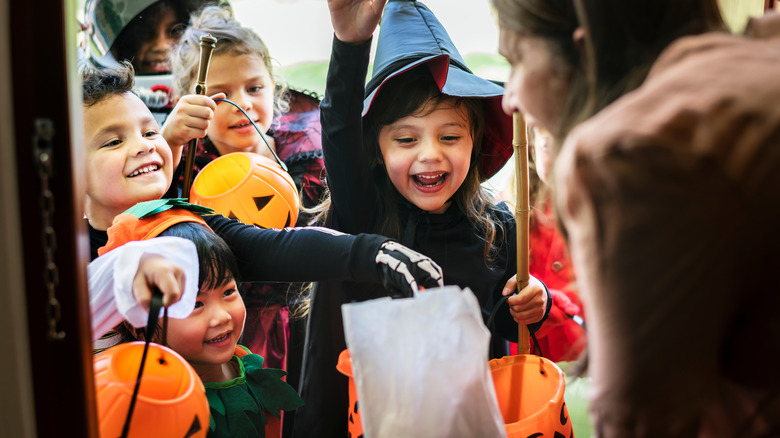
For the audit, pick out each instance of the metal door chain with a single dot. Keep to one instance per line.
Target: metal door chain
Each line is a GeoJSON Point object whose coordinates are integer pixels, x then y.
{"type": "Point", "coordinates": [42, 150]}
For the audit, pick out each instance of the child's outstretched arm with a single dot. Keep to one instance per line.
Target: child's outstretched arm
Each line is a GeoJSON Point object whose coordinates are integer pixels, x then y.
{"type": "Point", "coordinates": [354, 21]}
{"type": "Point", "coordinates": [530, 305]}
{"type": "Point", "coordinates": [319, 254]}
{"type": "Point", "coordinates": [190, 118]}
{"type": "Point", "coordinates": [121, 281]}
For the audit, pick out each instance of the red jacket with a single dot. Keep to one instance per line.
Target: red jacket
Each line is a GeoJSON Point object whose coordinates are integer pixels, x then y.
{"type": "Point", "coordinates": [561, 337]}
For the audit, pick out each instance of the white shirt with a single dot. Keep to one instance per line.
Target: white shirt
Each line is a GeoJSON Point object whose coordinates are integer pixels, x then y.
{"type": "Point", "coordinates": [111, 276]}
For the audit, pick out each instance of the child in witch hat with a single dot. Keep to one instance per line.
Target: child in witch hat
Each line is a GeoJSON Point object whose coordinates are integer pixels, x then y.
{"type": "Point", "coordinates": [240, 391]}
{"type": "Point", "coordinates": [405, 158]}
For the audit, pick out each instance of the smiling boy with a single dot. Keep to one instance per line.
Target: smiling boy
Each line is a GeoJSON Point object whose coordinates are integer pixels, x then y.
{"type": "Point", "coordinates": [128, 161]}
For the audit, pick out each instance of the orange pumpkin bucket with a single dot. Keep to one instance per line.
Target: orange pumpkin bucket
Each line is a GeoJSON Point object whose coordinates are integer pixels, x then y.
{"type": "Point", "coordinates": [171, 398]}
{"type": "Point", "coordinates": [248, 187]}
{"type": "Point", "coordinates": [530, 395]}
{"type": "Point", "coordinates": [354, 424]}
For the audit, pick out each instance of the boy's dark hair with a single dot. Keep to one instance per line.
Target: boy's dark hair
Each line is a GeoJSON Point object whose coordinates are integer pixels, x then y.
{"type": "Point", "coordinates": [216, 261]}
{"type": "Point", "coordinates": [98, 84]}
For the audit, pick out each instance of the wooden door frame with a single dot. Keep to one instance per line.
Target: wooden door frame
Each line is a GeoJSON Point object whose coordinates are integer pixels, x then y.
{"type": "Point", "coordinates": [41, 38]}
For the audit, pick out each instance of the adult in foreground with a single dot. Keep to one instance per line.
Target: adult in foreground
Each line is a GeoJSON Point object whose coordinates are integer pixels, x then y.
{"type": "Point", "coordinates": [668, 186]}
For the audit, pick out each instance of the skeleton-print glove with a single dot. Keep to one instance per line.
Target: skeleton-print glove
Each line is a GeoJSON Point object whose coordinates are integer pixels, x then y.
{"type": "Point", "coordinates": [404, 271]}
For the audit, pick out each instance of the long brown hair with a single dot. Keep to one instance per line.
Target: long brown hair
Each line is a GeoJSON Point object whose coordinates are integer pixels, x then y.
{"type": "Point", "coordinates": [554, 22]}
{"type": "Point", "coordinates": [625, 37]}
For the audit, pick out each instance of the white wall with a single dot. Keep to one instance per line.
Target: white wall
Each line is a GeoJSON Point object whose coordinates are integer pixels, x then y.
{"type": "Point", "coordinates": [300, 30]}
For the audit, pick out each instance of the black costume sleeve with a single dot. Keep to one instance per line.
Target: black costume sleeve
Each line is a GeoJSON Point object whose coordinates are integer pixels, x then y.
{"type": "Point", "coordinates": [346, 162]}
{"type": "Point", "coordinates": [299, 254]}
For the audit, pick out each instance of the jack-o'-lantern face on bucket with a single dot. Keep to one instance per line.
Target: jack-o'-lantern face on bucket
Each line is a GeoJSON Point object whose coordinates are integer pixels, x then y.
{"type": "Point", "coordinates": [250, 188]}
{"type": "Point", "coordinates": [530, 393]}
{"type": "Point", "coordinates": [171, 399]}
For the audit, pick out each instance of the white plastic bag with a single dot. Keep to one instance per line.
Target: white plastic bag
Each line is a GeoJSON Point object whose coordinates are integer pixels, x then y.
{"type": "Point", "coordinates": [420, 366]}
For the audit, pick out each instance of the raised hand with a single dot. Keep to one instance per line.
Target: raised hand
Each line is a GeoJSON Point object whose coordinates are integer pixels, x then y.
{"type": "Point", "coordinates": [190, 118]}
{"type": "Point", "coordinates": [529, 304]}
{"type": "Point", "coordinates": [354, 21]}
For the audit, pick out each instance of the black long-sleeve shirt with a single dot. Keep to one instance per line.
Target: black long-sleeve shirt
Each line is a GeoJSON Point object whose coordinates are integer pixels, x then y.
{"type": "Point", "coordinates": [291, 254]}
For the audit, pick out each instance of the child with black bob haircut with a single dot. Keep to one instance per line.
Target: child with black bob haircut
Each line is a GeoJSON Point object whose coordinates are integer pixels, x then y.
{"type": "Point", "coordinates": [240, 391]}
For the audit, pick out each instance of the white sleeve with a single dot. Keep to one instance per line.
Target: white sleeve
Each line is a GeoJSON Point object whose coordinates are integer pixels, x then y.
{"type": "Point", "coordinates": [111, 279]}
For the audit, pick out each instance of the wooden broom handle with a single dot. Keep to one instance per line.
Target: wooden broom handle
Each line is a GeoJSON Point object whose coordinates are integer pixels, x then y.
{"type": "Point", "coordinates": [522, 209]}
{"type": "Point", "coordinates": [207, 45]}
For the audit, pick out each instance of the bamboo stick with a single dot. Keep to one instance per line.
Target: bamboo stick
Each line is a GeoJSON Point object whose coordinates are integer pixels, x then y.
{"type": "Point", "coordinates": [522, 209]}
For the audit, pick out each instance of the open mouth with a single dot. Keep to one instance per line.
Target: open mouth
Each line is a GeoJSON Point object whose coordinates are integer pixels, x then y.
{"type": "Point", "coordinates": [242, 125]}
{"type": "Point", "coordinates": [219, 338]}
{"type": "Point", "coordinates": [144, 170]}
{"type": "Point", "coordinates": [156, 66]}
{"type": "Point", "coordinates": [430, 180]}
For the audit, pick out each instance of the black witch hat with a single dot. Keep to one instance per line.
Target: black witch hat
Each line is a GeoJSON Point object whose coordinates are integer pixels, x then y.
{"type": "Point", "coordinates": [410, 36]}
